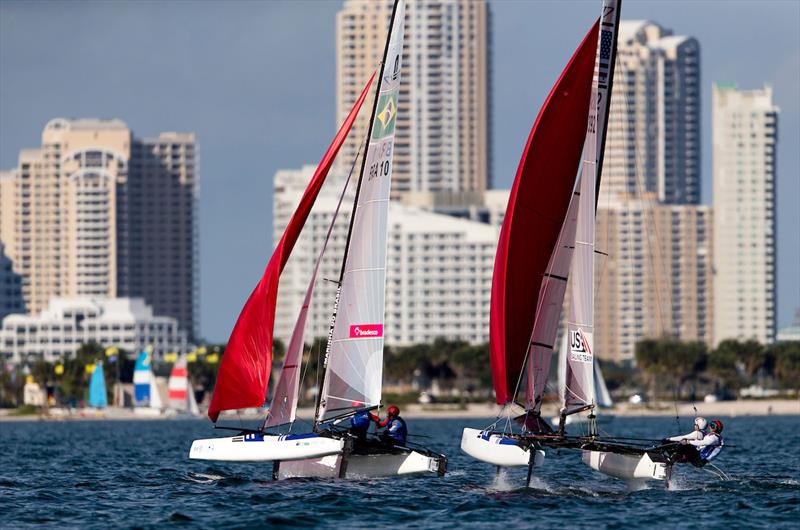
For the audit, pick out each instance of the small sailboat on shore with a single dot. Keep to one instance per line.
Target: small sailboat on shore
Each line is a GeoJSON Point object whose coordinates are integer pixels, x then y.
{"type": "Point", "coordinates": [181, 398]}
{"type": "Point", "coordinates": [352, 369]}
{"type": "Point", "coordinates": [97, 388]}
{"type": "Point", "coordinates": [146, 397]}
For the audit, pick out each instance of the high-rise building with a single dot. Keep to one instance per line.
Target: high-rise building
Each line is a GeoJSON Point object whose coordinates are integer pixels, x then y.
{"type": "Point", "coordinates": [442, 141]}
{"type": "Point", "coordinates": [438, 276]}
{"type": "Point", "coordinates": [97, 212]}
{"type": "Point", "coordinates": [11, 300]}
{"type": "Point", "coordinates": [653, 142]}
{"type": "Point", "coordinates": [656, 277]}
{"type": "Point", "coordinates": [745, 128]}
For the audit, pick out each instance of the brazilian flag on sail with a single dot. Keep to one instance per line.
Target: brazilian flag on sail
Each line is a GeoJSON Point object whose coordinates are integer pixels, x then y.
{"type": "Point", "coordinates": [384, 119]}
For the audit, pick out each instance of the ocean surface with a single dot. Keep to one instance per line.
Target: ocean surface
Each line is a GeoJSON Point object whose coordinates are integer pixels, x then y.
{"type": "Point", "coordinates": [119, 474]}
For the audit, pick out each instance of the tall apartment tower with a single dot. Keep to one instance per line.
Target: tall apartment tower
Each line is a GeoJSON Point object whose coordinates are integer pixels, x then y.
{"type": "Point", "coordinates": [653, 143]}
{"type": "Point", "coordinates": [745, 128]}
{"type": "Point", "coordinates": [443, 125]}
{"type": "Point", "coordinates": [96, 212]}
{"type": "Point", "coordinates": [655, 280]}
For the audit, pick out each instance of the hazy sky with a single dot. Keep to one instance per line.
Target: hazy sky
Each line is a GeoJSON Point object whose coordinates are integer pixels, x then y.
{"type": "Point", "coordinates": [255, 81]}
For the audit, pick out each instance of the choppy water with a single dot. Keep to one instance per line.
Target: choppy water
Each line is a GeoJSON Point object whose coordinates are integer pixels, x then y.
{"type": "Point", "coordinates": [107, 474]}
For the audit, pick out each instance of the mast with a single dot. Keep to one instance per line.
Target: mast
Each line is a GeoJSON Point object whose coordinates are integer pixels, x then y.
{"type": "Point", "coordinates": [609, 28]}
{"type": "Point", "coordinates": [381, 168]}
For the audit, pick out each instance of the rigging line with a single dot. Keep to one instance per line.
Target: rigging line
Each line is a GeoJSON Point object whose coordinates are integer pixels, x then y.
{"type": "Point", "coordinates": [640, 193]}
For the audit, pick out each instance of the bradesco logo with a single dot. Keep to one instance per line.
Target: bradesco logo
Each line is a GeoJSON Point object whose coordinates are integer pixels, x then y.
{"type": "Point", "coordinates": [362, 331]}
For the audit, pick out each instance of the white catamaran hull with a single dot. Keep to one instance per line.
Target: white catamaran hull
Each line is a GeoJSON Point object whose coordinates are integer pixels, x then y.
{"type": "Point", "coordinates": [263, 448]}
{"type": "Point", "coordinates": [626, 467]}
{"type": "Point", "coordinates": [362, 466]}
{"type": "Point", "coordinates": [498, 450]}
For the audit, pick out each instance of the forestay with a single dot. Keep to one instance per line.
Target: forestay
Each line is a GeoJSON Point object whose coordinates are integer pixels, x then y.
{"type": "Point", "coordinates": [354, 359]}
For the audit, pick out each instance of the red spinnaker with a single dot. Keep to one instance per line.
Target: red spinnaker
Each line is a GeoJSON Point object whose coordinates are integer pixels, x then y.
{"type": "Point", "coordinates": [536, 210]}
{"type": "Point", "coordinates": [244, 371]}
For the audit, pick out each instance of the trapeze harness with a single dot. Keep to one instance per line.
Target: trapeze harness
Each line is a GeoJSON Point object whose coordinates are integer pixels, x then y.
{"type": "Point", "coordinates": [710, 452]}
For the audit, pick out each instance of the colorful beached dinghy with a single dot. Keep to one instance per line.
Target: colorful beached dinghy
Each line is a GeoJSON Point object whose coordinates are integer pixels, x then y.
{"type": "Point", "coordinates": [353, 364]}
{"type": "Point", "coordinates": [146, 396]}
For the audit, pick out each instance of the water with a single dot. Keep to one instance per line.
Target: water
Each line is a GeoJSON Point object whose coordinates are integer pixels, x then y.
{"type": "Point", "coordinates": [99, 474]}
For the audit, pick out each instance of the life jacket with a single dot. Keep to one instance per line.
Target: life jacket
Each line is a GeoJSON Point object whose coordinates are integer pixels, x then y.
{"type": "Point", "coordinates": [397, 430]}
{"type": "Point", "coordinates": [710, 452]}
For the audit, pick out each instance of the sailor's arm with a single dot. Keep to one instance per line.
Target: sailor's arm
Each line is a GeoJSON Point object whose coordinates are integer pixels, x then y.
{"type": "Point", "coordinates": [709, 439]}
{"type": "Point", "coordinates": [694, 435]}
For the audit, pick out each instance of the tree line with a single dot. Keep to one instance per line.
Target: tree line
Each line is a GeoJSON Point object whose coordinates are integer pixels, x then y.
{"type": "Point", "coordinates": [459, 371]}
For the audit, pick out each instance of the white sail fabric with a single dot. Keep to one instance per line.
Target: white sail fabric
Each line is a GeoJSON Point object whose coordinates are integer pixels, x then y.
{"type": "Point", "coordinates": [355, 350]}
{"type": "Point", "coordinates": [603, 397]}
{"type": "Point", "coordinates": [548, 315]}
{"type": "Point", "coordinates": [283, 408]}
{"type": "Point", "coordinates": [155, 394]}
{"type": "Point", "coordinates": [579, 379]}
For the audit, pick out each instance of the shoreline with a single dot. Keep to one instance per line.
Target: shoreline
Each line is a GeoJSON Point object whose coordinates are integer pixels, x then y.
{"type": "Point", "coordinates": [765, 407]}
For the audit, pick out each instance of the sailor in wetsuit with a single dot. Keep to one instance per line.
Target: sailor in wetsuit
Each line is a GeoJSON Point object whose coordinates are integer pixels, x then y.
{"type": "Point", "coordinates": [396, 430]}
{"type": "Point", "coordinates": [700, 452]}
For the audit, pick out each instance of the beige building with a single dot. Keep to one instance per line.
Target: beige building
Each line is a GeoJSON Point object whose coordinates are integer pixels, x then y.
{"type": "Point", "coordinates": [656, 279]}
{"type": "Point", "coordinates": [442, 141]}
{"type": "Point", "coordinates": [745, 128]}
{"type": "Point", "coordinates": [653, 141]}
{"type": "Point", "coordinates": [97, 212]}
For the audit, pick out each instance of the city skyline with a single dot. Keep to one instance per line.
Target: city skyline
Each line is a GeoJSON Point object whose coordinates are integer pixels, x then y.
{"type": "Point", "coordinates": [241, 116]}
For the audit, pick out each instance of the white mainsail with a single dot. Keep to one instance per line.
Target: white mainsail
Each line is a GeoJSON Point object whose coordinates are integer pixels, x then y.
{"type": "Point", "coordinates": [579, 377]}
{"type": "Point", "coordinates": [354, 360]}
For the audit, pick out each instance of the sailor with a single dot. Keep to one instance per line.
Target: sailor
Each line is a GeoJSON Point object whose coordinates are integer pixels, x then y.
{"type": "Point", "coordinates": [396, 430]}
{"type": "Point", "coordinates": [701, 452]}
{"type": "Point", "coordinates": [698, 433]}
{"type": "Point", "coordinates": [359, 424]}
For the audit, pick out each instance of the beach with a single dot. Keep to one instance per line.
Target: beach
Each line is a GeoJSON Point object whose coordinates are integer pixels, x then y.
{"type": "Point", "coordinates": [750, 407]}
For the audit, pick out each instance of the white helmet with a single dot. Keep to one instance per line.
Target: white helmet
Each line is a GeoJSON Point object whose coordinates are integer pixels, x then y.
{"type": "Point", "coordinates": [700, 422]}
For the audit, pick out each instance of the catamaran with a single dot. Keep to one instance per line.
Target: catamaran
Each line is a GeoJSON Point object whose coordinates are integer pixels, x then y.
{"type": "Point", "coordinates": [548, 232]}
{"type": "Point", "coordinates": [352, 367]}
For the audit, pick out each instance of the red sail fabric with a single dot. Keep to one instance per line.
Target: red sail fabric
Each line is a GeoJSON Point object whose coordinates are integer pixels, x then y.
{"type": "Point", "coordinates": [536, 210]}
{"type": "Point", "coordinates": [244, 371]}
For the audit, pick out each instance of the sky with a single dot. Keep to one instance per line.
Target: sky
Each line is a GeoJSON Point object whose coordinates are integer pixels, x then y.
{"type": "Point", "coordinates": [256, 82]}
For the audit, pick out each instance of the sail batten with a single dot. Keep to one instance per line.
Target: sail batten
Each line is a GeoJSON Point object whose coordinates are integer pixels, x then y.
{"type": "Point", "coordinates": [244, 371]}
{"type": "Point", "coordinates": [537, 207]}
{"type": "Point", "coordinates": [353, 367]}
